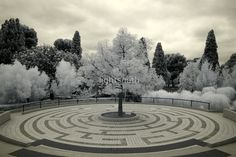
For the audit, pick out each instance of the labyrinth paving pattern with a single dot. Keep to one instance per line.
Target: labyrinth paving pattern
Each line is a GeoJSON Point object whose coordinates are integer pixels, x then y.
{"type": "Point", "coordinates": [156, 125]}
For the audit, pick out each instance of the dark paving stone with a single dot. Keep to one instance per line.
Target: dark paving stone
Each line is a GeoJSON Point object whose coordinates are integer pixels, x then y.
{"type": "Point", "coordinates": [63, 146]}
{"type": "Point", "coordinates": [30, 153]}
{"type": "Point", "coordinates": [210, 153]}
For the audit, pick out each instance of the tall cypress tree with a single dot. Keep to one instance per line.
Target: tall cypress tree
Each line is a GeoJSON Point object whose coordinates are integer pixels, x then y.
{"type": "Point", "coordinates": [210, 53]}
{"type": "Point", "coordinates": [159, 62]}
{"type": "Point", "coordinates": [76, 44]}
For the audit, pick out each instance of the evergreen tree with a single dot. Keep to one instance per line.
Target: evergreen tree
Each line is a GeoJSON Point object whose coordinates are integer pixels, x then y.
{"type": "Point", "coordinates": [231, 62]}
{"type": "Point", "coordinates": [14, 38]}
{"type": "Point", "coordinates": [210, 53]}
{"type": "Point", "coordinates": [143, 51]}
{"type": "Point", "coordinates": [159, 62]}
{"type": "Point", "coordinates": [76, 44]}
{"type": "Point", "coordinates": [30, 35]}
{"type": "Point", "coordinates": [63, 44]}
{"type": "Point", "coordinates": [11, 40]}
{"type": "Point", "coordinates": [175, 65]}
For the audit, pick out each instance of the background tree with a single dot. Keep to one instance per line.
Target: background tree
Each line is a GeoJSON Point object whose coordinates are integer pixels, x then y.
{"type": "Point", "coordinates": [143, 50]}
{"type": "Point", "coordinates": [30, 35]}
{"type": "Point", "coordinates": [76, 45]}
{"type": "Point", "coordinates": [19, 84]}
{"type": "Point", "coordinates": [175, 65]}
{"type": "Point", "coordinates": [159, 62]}
{"type": "Point", "coordinates": [46, 58]}
{"type": "Point", "coordinates": [189, 76]}
{"type": "Point", "coordinates": [15, 37]}
{"type": "Point", "coordinates": [230, 63]}
{"type": "Point", "coordinates": [229, 77]}
{"type": "Point", "coordinates": [210, 53]}
{"type": "Point", "coordinates": [11, 40]}
{"type": "Point", "coordinates": [63, 44]}
{"type": "Point", "coordinates": [207, 77]}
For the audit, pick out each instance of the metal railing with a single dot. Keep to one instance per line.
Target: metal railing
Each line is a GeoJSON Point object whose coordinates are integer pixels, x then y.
{"type": "Point", "coordinates": [179, 102]}
{"type": "Point", "coordinates": [60, 101]}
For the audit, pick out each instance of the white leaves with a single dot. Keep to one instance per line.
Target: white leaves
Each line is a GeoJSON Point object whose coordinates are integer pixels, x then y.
{"type": "Point", "coordinates": [194, 79]}
{"type": "Point", "coordinates": [17, 83]}
{"type": "Point", "coordinates": [189, 76]}
{"type": "Point", "coordinates": [229, 78]}
{"type": "Point", "coordinates": [218, 101]}
{"type": "Point", "coordinates": [120, 61]}
{"type": "Point", "coordinates": [68, 79]}
{"type": "Point", "coordinates": [206, 77]}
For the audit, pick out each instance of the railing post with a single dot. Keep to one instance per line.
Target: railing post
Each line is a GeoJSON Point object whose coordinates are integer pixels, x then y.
{"type": "Point", "coordinates": [172, 101]}
{"type": "Point", "coordinates": [191, 103]}
{"type": "Point", "coordinates": [77, 101]}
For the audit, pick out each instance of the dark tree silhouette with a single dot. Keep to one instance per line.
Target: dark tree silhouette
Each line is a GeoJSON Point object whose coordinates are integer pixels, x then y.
{"type": "Point", "coordinates": [76, 44]}
{"type": "Point", "coordinates": [63, 44]}
{"type": "Point", "coordinates": [30, 35]}
{"type": "Point", "coordinates": [11, 40]}
{"type": "Point", "coordinates": [210, 53]}
{"type": "Point", "coordinates": [175, 65]}
{"type": "Point", "coordinates": [159, 62]}
{"type": "Point", "coordinates": [14, 38]}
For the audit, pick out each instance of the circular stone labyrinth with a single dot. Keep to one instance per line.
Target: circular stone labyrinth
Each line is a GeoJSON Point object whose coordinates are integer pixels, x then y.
{"type": "Point", "coordinates": [156, 125]}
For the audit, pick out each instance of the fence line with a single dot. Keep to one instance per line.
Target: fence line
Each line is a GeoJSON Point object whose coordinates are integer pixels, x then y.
{"type": "Point", "coordinates": [60, 100]}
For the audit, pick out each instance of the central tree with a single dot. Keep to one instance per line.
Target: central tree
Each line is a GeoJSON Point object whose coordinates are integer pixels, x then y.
{"type": "Point", "coordinates": [120, 68]}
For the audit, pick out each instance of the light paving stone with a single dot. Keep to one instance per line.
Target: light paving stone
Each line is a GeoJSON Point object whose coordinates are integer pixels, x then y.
{"type": "Point", "coordinates": [157, 125]}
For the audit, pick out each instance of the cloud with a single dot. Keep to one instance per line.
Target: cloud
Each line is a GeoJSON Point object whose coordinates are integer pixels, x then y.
{"type": "Point", "coordinates": [181, 26]}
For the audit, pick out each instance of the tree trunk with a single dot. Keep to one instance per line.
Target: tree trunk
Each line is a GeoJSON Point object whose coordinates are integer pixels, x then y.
{"type": "Point", "coordinates": [120, 106]}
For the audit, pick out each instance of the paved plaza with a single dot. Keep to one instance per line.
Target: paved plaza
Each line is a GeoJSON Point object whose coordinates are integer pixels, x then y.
{"type": "Point", "coordinates": [167, 131]}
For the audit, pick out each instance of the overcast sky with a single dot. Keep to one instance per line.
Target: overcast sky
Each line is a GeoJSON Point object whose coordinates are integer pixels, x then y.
{"type": "Point", "coordinates": [181, 25]}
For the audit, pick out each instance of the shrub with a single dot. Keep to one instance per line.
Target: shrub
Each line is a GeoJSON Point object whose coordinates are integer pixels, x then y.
{"type": "Point", "coordinates": [227, 91]}
{"type": "Point", "coordinates": [19, 84]}
{"type": "Point", "coordinates": [218, 101]}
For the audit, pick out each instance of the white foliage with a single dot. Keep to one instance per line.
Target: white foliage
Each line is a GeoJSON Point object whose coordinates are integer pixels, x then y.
{"type": "Point", "coordinates": [229, 78]}
{"type": "Point", "coordinates": [206, 77]}
{"type": "Point", "coordinates": [197, 93]}
{"type": "Point", "coordinates": [227, 91]}
{"type": "Point", "coordinates": [209, 89]}
{"type": "Point", "coordinates": [120, 61]}
{"type": "Point", "coordinates": [218, 101]}
{"type": "Point", "coordinates": [189, 76]}
{"type": "Point", "coordinates": [194, 79]}
{"type": "Point", "coordinates": [68, 79]}
{"type": "Point", "coordinates": [17, 83]}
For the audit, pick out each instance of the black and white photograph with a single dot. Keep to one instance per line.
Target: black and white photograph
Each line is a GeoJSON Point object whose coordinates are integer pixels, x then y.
{"type": "Point", "coordinates": [118, 78]}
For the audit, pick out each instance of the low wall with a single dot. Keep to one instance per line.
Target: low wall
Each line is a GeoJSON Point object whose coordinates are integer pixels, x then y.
{"type": "Point", "coordinates": [4, 117]}
{"type": "Point", "coordinates": [229, 114]}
